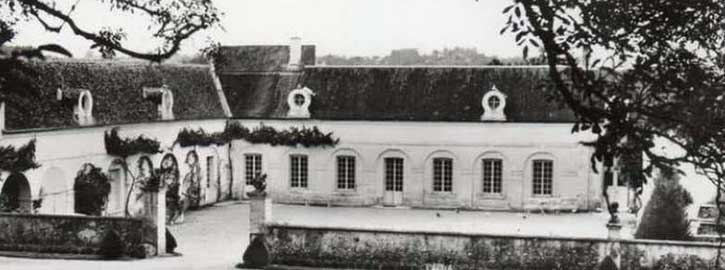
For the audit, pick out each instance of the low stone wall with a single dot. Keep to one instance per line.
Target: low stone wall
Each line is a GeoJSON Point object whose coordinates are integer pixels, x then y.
{"type": "Point", "coordinates": [389, 249]}
{"type": "Point", "coordinates": [68, 234]}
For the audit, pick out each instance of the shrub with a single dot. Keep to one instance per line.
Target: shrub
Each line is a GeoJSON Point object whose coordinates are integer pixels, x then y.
{"type": "Point", "coordinates": [111, 245]}
{"type": "Point", "coordinates": [170, 242]}
{"type": "Point", "coordinates": [91, 190]}
{"type": "Point", "coordinates": [257, 253]}
{"type": "Point", "coordinates": [687, 262]}
{"type": "Point", "coordinates": [664, 216]}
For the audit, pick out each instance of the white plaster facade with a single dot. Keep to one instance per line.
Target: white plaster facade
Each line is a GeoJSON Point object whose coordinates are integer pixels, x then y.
{"type": "Point", "coordinates": [62, 153]}
{"type": "Point", "coordinates": [466, 143]}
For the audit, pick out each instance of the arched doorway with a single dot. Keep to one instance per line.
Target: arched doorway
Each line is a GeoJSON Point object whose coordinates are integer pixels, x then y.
{"type": "Point", "coordinates": [191, 188]}
{"type": "Point", "coordinates": [15, 195]}
{"type": "Point", "coordinates": [170, 177]}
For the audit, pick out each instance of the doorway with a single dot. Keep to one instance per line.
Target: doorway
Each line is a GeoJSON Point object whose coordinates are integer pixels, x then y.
{"type": "Point", "coordinates": [15, 195]}
{"type": "Point", "coordinates": [393, 176]}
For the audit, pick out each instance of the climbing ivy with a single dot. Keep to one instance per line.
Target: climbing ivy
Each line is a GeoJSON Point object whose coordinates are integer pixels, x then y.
{"type": "Point", "coordinates": [190, 137]}
{"type": "Point", "coordinates": [116, 146]}
{"type": "Point", "coordinates": [293, 136]}
{"type": "Point", "coordinates": [20, 159]}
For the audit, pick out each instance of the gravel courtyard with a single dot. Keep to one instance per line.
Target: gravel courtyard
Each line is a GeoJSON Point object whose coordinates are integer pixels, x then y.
{"type": "Point", "coordinates": [215, 237]}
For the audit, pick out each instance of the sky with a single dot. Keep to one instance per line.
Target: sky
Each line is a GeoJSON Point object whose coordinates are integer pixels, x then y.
{"type": "Point", "coordinates": [342, 27]}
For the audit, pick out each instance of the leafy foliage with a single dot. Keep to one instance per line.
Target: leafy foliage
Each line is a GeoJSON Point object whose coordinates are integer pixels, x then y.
{"type": "Point", "coordinates": [111, 245]}
{"type": "Point", "coordinates": [171, 22]}
{"type": "Point", "coordinates": [686, 262]}
{"type": "Point", "coordinates": [190, 137]}
{"type": "Point", "coordinates": [126, 147]}
{"type": "Point", "coordinates": [665, 216]}
{"type": "Point", "coordinates": [91, 189]}
{"type": "Point", "coordinates": [153, 182]}
{"type": "Point", "coordinates": [650, 70]}
{"type": "Point", "coordinates": [19, 160]}
{"type": "Point", "coordinates": [307, 137]}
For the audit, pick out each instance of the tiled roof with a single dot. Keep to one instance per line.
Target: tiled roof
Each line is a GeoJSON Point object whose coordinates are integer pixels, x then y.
{"type": "Point", "coordinates": [396, 93]}
{"type": "Point", "coordinates": [254, 58]}
{"type": "Point", "coordinates": [116, 87]}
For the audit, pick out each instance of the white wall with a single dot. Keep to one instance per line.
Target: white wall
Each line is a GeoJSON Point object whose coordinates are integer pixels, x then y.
{"type": "Point", "coordinates": [418, 143]}
{"type": "Point", "coordinates": [62, 153]}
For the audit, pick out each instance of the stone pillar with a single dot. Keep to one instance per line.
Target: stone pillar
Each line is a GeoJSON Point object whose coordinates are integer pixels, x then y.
{"type": "Point", "coordinates": [260, 212]}
{"type": "Point", "coordinates": [256, 255]}
{"type": "Point", "coordinates": [614, 249]}
{"type": "Point", "coordinates": [155, 215]}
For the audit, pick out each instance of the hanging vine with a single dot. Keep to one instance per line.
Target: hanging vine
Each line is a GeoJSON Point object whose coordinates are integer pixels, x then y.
{"type": "Point", "coordinates": [293, 136]}
{"type": "Point", "coordinates": [125, 147]}
{"type": "Point", "coordinates": [20, 159]}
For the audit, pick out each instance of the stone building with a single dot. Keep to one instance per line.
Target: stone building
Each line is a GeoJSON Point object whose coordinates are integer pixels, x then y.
{"type": "Point", "coordinates": [439, 137]}
{"type": "Point", "coordinates": [421, 136]}
{"type": "Point", "coordinates": [78, 101]}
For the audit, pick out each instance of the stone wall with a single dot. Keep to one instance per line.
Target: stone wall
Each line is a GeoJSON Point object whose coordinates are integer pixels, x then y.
{"type": "Point", "coordinates": [67, 234]}
{"type": "Point", "coordinates": [375, 249]}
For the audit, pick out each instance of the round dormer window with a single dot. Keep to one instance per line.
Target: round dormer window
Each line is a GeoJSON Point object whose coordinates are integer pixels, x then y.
{"type": "Point", "coordinates": [85, 103]}
{"type": "Point", "coordinates": [166, 108]}
{"type": "Point", "coordinates": [494, 102]}
{"type": "Point", "coordinates": [299, 99]}
{"type": "Point", "coordinates": [83, 111]}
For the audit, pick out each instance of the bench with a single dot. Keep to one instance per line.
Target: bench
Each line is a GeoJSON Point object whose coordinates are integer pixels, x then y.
{"type": "Point", "coordinates": [555, 204]}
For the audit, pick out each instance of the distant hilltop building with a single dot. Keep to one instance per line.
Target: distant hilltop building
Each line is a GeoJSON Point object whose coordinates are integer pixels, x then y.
{"type": "Point", "coordinates": [419, 136]}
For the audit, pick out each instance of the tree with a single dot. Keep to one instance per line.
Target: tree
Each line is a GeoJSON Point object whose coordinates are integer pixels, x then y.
{"type": "Point", "coordinates": [171, 22]}
{"type": "Point", "coordinates": [665, 217]}
{"type": "Point", "coordinates": [651, 70]}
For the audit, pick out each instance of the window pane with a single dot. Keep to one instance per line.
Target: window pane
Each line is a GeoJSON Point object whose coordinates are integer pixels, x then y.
{"type": "Point", "coordinates": [492, 175]}
{"type": "Point", "coordinates": [393, 174]}
{"type": "Point", "coordinates": [543, 177]}
{"type": "Point", "coordinates": [345, 172]}
{"type": "Point", "coordinates": [442, 174]}
{"type": "Point", "coordinates": [252, 166]}
{"type": "Point", "coordinates": [298, 171]}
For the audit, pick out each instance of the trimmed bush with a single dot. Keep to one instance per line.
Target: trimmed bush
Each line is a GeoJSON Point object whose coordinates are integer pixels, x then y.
{"type": "Point", "coordinates": [664, 216]}
{"type": "Point", "coordinates": [257, 253]}
{"type": "Point", "coordinates": [111, 246]}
